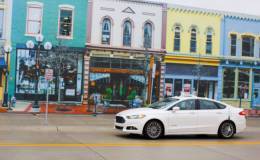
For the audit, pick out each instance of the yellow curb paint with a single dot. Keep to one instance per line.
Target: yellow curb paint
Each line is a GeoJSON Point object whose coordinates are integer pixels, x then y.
{"type": "Point", "coordinates": [149, 144]}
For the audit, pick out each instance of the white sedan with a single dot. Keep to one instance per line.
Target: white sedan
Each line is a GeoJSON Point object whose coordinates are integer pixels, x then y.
{"type": "Point", "coordinates": [181, 116]}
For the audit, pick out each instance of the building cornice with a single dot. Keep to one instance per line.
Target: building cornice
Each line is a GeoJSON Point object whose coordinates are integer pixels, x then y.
{"type": "Point", "coordinates": [192, 59]}
{"type": "Point", "coordinates": [125, 49]}
{"type": "Point", "coordinates": [212, 12]}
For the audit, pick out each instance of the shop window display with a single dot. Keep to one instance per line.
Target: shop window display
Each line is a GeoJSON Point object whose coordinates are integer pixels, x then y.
{"type": "Point", "coordinates": [243, 83]}
{"type": "Point", "coordinates": [229, 83]}
{"type": "Point", "coordinates": [68, 65]}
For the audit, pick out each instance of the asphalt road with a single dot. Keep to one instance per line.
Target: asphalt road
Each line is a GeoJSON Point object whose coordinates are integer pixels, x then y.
{"type": "Point", "coordinates": [70, 137]}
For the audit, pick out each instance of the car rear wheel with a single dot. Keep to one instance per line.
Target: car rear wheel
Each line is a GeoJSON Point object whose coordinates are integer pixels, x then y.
{"type": "Point", "coordinates": [226, 130]}
{"type": "Point", "coordinates": [153, 129]}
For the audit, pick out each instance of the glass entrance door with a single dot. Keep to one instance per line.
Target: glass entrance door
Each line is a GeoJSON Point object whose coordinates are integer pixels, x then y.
{"type": "Point", "coordinates": [256, 101]}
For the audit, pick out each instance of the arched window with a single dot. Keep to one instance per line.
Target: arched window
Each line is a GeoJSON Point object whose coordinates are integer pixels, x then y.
{"type": "Point", "coordinates": [177, 38]}
{"type": "Point", "coordinates": [209, 41]}
{"type": "Point", "coordinates": [193, 40]}
{"type": "Point", "coordinates": [148, 35]}
{"type": "Point", "coordinates": [127, 33]}
{"type": "Point", "coordinates": [106, 31]}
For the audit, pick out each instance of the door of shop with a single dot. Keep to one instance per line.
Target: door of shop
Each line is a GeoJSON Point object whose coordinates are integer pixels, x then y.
{"type": "Point", "coordinates": [256, 101]}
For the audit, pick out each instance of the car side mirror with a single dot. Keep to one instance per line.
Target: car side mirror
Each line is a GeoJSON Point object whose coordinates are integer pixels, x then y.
{"type": "Point", "coordinates": [175, 109]}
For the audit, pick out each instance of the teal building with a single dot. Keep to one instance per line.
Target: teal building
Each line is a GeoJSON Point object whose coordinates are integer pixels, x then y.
{"type": "Point", "coordinates": [48, 34]}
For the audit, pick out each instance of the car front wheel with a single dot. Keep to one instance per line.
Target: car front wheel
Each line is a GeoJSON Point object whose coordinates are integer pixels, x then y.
{"type": "Point", "coordinates": [226, 130]}
{"type": "Point", "coordinates": [153, 129]}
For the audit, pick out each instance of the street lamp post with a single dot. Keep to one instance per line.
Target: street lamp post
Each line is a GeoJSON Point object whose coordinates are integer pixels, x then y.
{"type": "Point", "coordinates": [8, 50]}
{"type": "Point", "coordinates": [47, 46]}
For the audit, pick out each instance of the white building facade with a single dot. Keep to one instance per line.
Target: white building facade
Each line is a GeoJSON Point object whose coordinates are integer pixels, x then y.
{"type": "Point", "coordinates": [125, 41]}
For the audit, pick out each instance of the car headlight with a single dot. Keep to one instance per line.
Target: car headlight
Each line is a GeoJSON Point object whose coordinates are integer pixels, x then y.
{"type": "Point", "coordinates": [140, 116]}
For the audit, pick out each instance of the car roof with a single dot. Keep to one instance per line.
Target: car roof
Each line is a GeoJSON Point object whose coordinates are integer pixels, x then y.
{"type": "Point", "coordinates": [192, 97]}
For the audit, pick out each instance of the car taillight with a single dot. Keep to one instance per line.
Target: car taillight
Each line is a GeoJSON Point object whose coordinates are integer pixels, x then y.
{"type": "Point", "coordinates": [242, 113]}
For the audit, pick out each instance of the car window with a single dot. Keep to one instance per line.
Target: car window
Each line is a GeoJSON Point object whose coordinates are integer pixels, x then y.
{"type": "Point", "coordinates": [220, 106]}
{"type": "Point", "coordinates": [186, 105]}
{"type": "Point", "coordinates": [205, 104]}
{"type": "Point", "coordinates": [163, 103]}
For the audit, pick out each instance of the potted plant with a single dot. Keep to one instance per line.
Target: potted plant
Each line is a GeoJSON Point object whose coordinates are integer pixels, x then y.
{"type": "Point", "coordinates": [131, 97]}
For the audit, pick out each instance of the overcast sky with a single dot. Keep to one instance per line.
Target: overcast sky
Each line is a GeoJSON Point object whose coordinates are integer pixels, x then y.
{"type": "Point", "coordinates": [241, 6]}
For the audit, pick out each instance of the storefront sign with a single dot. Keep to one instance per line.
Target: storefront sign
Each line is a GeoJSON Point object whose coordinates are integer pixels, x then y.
{"type": "Point", "coordinates": [70, 92]}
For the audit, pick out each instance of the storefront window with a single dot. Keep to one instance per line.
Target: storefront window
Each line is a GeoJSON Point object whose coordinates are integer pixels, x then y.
{"type": "Point", "coordinates": [177, 87]}
{"type": "Point", "coordinates": [243, 83]}
{"type": "Point", "coordinates": [257, 76]}
{"type": "Point", "coordinates": [229, 83]}
{"type": "Point", "coordinates": [168, 87]}
{"type": "Point", "coordinates": [67, 66]}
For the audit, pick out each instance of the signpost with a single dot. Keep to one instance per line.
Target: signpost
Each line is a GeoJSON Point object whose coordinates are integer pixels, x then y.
{"type": "Point", "coordinates": [242, 94]}
{"type": "Point", "coordinates": [153, 76]}
{"type": "Point", "coordinates": [48, 77]}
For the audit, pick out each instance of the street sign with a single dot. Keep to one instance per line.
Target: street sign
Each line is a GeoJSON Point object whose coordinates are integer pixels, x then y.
{"type": "Point", "coordinates": [48, 74]}
{"type": "Point", "coordinates": [154, 71]}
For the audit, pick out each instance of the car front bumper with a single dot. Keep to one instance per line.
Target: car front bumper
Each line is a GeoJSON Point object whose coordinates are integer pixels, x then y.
{"type": "Point", "coordinates": [130, 126]}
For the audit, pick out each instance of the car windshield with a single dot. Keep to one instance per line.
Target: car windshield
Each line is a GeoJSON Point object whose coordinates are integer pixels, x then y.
{"type": "Point", "coordinates": [163, 103]}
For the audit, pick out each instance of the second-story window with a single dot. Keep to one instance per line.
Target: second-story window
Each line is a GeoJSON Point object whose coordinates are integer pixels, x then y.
{"type": "Point", "coordinates": [127, 33]}
{"type": "Point", "coordinates": [248, 43]}
{"type": "Point", "coordinates": [177, 39]}
{"type": "Point", "coordinates": [1, 23]}
{"type": "Point", "coordinates": [66, 22]}
{"type": "Point", "coordinates": [233, 47]}
{"type": "Point", "coordinates": [193, 40]}
{"type": "Point", "coordinates": [148, 35]}
{"type": "Point", "coordinates": [106, 31]}
{"type": "Point", "coordinates": [209, 42]}
{"type": "Point", "coordinates": [34, 18]}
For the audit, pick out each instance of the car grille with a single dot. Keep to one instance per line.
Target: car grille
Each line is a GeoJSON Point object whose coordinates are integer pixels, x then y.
{"type": "Point", "coordinates": [119, 128]}
{"type": "Point", "coordinates": [120, 119]}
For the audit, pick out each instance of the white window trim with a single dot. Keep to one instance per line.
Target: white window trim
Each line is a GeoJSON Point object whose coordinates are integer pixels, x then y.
{"type": "Point", "coordinates": [70, 8]}
{"type": "Point", "coordinates": [37, 4]}
{"type": "Point", "coordinates": [111, 26]}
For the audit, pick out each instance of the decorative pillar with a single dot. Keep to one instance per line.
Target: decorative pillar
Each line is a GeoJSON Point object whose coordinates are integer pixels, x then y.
{"type": "Point", "coordinates": [150, 85]}
{"type": "Point", "coordinates": [239, 46]}
{"type": "Point", "coordinates": [162, 80]}
{"type": "Point", "coordinates": [228, 53]}
{"type": "Point", "coordinates": [236, 83]}
{"type": "Point", "coordinates": [250, 84]}
{"type": "Point", "coordinates": [256, 48]}
{"type": "Point", "coordinates": [86, 78]}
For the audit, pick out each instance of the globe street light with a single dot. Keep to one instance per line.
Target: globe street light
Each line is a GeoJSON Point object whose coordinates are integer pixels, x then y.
{"type": "Point", "coordinates": [7, 49]}
{"type": "Point", "coordinates": [47, 46]}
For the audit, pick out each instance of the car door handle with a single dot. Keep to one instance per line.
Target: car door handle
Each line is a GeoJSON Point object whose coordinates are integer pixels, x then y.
{"type": "Point", "coordinates": [219, 113]}
{"type": "Point", "coordinates": [192, 112]}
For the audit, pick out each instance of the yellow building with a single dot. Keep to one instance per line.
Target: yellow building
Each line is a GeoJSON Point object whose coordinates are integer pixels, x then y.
{"type": "Point", "coordinates": [5, 34]}
{"type": "Point", "coordinates": [193, 49]}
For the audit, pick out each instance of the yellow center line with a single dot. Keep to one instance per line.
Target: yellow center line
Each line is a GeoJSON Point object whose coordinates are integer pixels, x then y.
{"type": "Point", "coordinates": [147, 144]}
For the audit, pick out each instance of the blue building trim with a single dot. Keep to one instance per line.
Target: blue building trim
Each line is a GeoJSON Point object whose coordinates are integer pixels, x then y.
{"type": "Point", "coordinates": [220, 83]}
{"type": "Point", "coordinates": [168, 76]}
